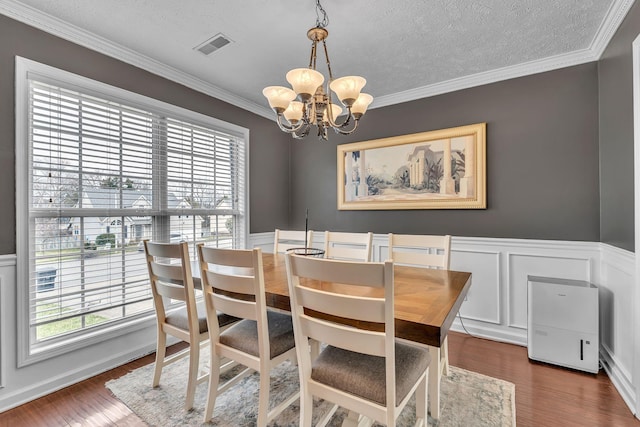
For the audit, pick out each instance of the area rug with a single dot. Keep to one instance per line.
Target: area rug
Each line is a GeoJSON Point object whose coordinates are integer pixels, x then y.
{"type": "Point", "coordinates": [467, 399]}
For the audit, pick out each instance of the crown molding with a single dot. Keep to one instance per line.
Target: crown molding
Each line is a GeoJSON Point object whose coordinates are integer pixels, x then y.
{"type": "Point", "coordinates": [486, 77]}
{"type": "Point", "coordinates": [613, 19]}
{"type": "Point", "coordinates": [609, 26]}
{"type": "Point", "coordinates": [77, 35]}
{"type": "Point", "coordinates": [33, 17]}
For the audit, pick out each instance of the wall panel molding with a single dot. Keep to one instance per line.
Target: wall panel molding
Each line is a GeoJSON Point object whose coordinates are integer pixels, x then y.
{"type": "Point", "coordinates": [522, 264]}
{"type": "Point", "coordinates": [7, 267]}
{"type": "Point", "coordinates": [483, 302]}
{"type": "Point", "coordinates": [618, 332]}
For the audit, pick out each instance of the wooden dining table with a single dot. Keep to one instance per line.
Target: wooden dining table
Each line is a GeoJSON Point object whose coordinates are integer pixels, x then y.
{"type": "Point", "coordinates": [426, 303]}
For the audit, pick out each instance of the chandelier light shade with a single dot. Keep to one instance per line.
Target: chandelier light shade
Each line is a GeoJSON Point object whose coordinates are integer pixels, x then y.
{"type": "Point", "coordinates": [332, 110]}
{"type": "Point", "coordinates": [294, 112]}
{"type": "Point", "coordinates": [348, 88]}
{"type": "Point", "coordinates": [309, 103]}
{"type": "Point", "coordinates": [304, 82]}
{"type": "Point", "coordinates": [360, 106]}
{"type": "Point", "coordinates": [279, 97]}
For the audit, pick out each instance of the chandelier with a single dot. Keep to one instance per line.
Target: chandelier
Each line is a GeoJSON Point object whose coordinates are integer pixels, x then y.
{"type": "Point", "coordinates": [309, 103]}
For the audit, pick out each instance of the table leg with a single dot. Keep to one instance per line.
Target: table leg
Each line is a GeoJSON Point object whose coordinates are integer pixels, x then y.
{"type": "Point", "coordinates": [435, 372]}
{"type": "Point", "coordinates": [445, 356]}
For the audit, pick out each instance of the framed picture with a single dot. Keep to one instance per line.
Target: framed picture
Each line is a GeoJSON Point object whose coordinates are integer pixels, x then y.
{"type": "Point", "coordinates": [441, 169]}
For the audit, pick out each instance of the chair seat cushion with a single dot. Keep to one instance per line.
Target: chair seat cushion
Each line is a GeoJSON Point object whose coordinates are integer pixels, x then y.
{"type": "Point", "coordinates": [178, 318]}
{"type": "Point", "coordinates": [364, 375]}
{"type": "Point", "coordinates": [243, 336]}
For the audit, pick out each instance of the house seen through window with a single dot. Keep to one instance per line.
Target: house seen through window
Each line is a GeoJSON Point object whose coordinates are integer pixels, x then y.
{"type": "Point", "coordinates": [104, 175]}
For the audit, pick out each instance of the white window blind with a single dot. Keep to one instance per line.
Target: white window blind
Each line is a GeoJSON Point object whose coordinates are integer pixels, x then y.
{"type": "Point", "coordinates": [105, 174]}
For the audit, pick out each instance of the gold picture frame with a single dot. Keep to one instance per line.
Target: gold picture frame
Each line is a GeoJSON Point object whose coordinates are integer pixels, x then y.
{"type": "Point", "coordinates": [407, 172]}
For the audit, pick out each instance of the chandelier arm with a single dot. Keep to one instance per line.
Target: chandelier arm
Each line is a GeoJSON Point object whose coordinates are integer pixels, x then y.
{"type": "Point", "coordinates": [347, 132]}
{"type": "Point", "coordinates": [289, 129]}
{"type": "Point", "coordinates": [302, 134]}
{"type": "Point", "coordinates": [335, 124]}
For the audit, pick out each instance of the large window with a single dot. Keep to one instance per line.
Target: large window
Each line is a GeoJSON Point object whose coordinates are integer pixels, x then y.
{"type": "Point", "coordinates": [98, 171]}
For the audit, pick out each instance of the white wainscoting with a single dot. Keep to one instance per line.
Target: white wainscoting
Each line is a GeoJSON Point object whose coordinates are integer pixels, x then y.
{"type": "Point", "coordinates": [7, 277]}
{"type": "Point", "coordinates": [496, 305]}
{"type": "Point", "coordinates": [495, 308]}
{"type": "Point", "coordinates": [618, 330]}
{"type": "Point", "coordinates": [24, 384]}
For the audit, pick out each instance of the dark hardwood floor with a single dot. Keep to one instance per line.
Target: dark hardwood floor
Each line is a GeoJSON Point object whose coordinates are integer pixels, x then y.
{"type": "Point", "coordinates": [545, 395]}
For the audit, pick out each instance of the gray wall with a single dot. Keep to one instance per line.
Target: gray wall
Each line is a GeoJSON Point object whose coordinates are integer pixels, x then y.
{"type": "Point", "coordinates": [542, 161]}
{"type": "Point", "coordinates": [615, 72]}
{"type": "Point", "coordinates": [543, 158]}
{"type": "Point", "coordinates": [269, 167]}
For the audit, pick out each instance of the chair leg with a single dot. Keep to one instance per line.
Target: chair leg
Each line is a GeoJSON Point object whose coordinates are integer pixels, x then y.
{"type": "Point", "coordinates": [161, 350]}
{"type": "Point", "coordinates": [194, 360]}
{"type": "Point", "coordinates": [306, 408]}
{"type": "Point", "coordinates": [263, 401]}
{"type": "Point", "coordinates": [435, 373]}
{"type": "Point", "coordinates": [214, 379]}
{"type": "Point", "coordinates": [421, 399]}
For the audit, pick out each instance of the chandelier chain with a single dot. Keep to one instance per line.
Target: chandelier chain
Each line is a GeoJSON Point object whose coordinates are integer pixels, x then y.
{"type": "Point", "coordinates": [325, 18]}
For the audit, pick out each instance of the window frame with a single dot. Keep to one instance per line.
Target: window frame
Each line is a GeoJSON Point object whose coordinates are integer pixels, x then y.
{"type": "Point", "coordinates": [24, 245]}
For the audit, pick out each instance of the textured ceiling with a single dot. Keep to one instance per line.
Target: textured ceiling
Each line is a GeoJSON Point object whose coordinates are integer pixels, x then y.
{"type": "Point", "coordinates": [398, 46]}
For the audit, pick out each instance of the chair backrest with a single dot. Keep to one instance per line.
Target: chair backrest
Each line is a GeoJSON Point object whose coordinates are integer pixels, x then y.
{"type": "Point", "coordinates": [348, 246]}
{"type": "Point", "coordinates": [288, 239]}
{"type": "Point", "coordinates": [367, 301]}
{"type": "Point", "coordinates": [233, 283]}
{"type": "Point", "coordinates": [420, 250]}
{"type": "Point", "coordinates": [170, 275]}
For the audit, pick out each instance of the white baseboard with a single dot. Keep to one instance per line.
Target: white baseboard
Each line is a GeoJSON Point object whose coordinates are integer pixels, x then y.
{"type": "Point", "coordinates": [620, 378]}
{"type": "Point", "coordinates": [618, 278]}
{"type": "Point", "coordinates": [48, 384]}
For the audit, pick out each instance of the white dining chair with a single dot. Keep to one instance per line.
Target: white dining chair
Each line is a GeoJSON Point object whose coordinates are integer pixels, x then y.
{"type": "Point", "coordinates": [170, 277]}
{"type": "Point", "coordinates": [289, 239]}
{"type": "Point", "coordinates": [430, 251]}
{"type": "Point", "coordinates": [348, 246]}
{"type": "Point", "coordinates": [362, 368]}
{"type": "Point", "coordinates": [233, 283]}
{"type": "Point", "coordinates": [418, 250]}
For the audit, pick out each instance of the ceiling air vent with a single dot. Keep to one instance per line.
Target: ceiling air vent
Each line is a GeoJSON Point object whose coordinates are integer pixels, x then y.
{"type": "Point", "coordinates": [214, 43]}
